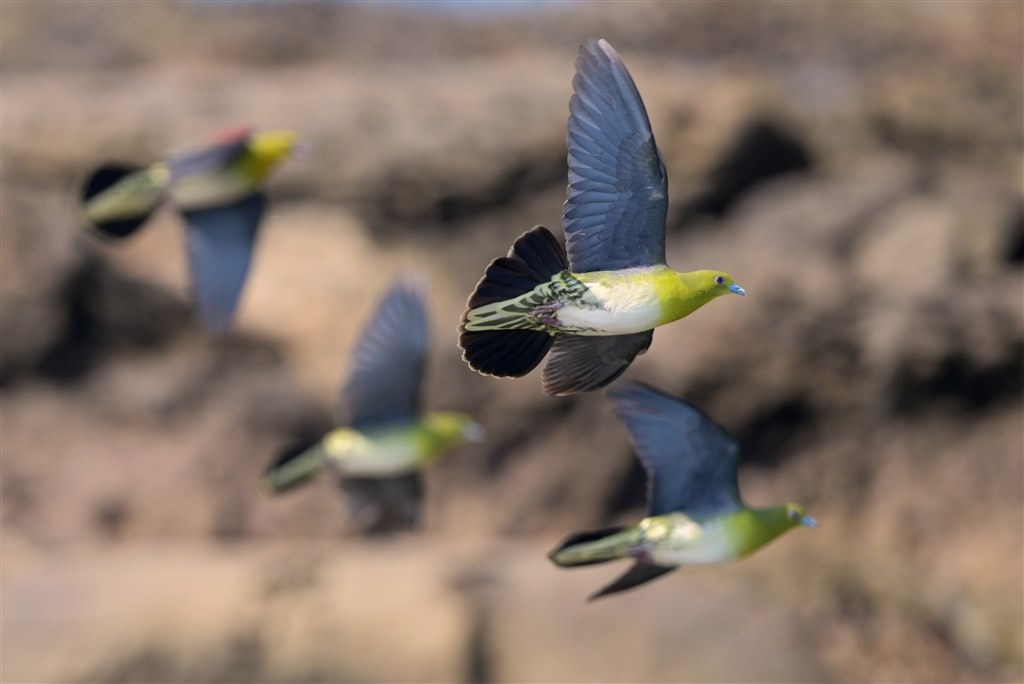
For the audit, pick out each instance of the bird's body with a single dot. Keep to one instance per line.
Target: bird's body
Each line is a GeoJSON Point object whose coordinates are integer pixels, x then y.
{"type": "Point", "coordinates": [595, 303]}
{"type": "Point", "coordinates": [217, 189]}
{"type": "Point", "coordinates": [695, 514]}
{"type": "Point", "coordinates": [678, 539]}
{"type": "Point", "coordinates": [383, 451]}
{"type": "Point", "coordinates": [601, 303]}
{"type": "Point", "coordinates": [386, 439]}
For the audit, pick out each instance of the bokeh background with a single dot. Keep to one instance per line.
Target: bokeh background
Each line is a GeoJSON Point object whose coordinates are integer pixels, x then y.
{"type": "Point", "coordinates": [856, 166]}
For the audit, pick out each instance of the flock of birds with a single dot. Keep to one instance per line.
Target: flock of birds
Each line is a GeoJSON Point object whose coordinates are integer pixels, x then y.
{"type": "Point", "coordinates": [593, 305]}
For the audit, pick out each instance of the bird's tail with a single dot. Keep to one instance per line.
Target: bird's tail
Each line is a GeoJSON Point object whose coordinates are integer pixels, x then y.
{"type": "Point", "coordinates": [496, 335]}
{"type": "Point", "coordinates": [294, 467]}
{"type": "Point", "coordinates": [594, 546]}
{"type": "Point", "coordinates": [118, 198]}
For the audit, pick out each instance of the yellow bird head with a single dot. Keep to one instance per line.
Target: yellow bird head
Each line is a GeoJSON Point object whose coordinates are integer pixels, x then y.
{"type": "Point", "coordinates": [717, 283]}
{"type": "Point", "coordinates": [798, 516]}
{"type": "Point", "coordinates": [269, 148]}
{"type": "Point", "coordinates": [453, 426]}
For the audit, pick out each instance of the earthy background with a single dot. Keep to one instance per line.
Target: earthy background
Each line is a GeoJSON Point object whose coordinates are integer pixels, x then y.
{"type": "Point", "coordinates": [856, 166]}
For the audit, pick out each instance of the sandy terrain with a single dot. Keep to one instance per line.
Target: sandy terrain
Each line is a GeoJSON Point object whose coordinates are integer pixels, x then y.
{"type": "Point", "coordinates": [856, 167]}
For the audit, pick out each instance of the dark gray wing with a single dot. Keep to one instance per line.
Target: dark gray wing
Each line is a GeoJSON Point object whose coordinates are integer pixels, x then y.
{"type": "Point", "coordinates": [618, 191]}
{"type": "Point", "coordinates": [387, 365]}
{"type": "Point", "coordinates": [219, 241]}
{"type": "Point", "coordinates": [639, 574]}
{"type": "Point", "coordinates": [581, 363]}
{"type": "Point", "coordinates": [209, 159]}
{"type": "Point", "coordinates": [690, 460]}
{"type": "Point", "coordinates": [382, 505]}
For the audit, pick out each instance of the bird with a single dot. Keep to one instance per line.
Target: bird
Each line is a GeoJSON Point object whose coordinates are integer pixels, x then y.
{"type": "Point", "coordinates": [594, 304]}
{"type": "Point", "coordinates": [218, 190]}
{"type": "Point", "coordinates": [695, 515]}
{"type": "Point", "coordinates": [386, 439]}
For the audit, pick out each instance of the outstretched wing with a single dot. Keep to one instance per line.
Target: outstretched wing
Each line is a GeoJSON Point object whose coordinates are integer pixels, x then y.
{"type": "Point", "coordinates": [618, 191]}
{"type": "Point", "coordinates": [387, 365]}
{"type": "Point", "coordinates": [220, 241]}
{"type": "Point", "coordinates": [690, 460]}
{"type": "Point", "coordinates": [581, 363]}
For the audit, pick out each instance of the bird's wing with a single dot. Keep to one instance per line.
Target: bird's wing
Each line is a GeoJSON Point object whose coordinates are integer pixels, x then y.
{"type": "Point", "coordinates": [210, 158]}
{"type": "Point", "coordinates": [381, 505]}
{"type": "Point", "coordinates": [581, 363]}
{"type": "Point", "coordinates": [220, 241]}
{"type": "Point", "coordinates": [690, 460]}
{"type": "Point", "coordinates": [387, 365]}
{"type": "Point", "coordinates": [635, 576]}
{"type": "Point", "coordinates": [614, 216]}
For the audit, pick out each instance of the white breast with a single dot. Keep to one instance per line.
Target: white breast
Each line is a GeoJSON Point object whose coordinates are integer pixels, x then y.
{"type": "Point", "coordinates": [685, 542]}
{"type": "Point", "coordinates": [624, 306]}
{"type": "Point", "coordinates": [383, 456]}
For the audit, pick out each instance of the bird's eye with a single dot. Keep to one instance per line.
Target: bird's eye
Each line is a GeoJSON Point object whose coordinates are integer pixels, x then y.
{"type": "Point", "coordinates": [794, 514]}
{"type": "Point", "coordinates": [719, 280]}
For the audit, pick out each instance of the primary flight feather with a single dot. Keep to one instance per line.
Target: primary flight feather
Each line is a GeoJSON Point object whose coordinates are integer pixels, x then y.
{"type": "Point", "coordinates": [694, 511]}
{"type": "Point", "coordinates": [217, 188]}
{"type": "Point", "coordinates": [595, 304]}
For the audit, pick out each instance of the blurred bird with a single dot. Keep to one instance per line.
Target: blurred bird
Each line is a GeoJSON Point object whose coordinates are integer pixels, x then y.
{"type": "Point", "coordinates": [598, 308]}
{"type": "Point", "coordinates": [694, 511]}
{"type": "Point", "coordinates": [388, 436]}
{"type": "Point", "coordinates": [217, 190]}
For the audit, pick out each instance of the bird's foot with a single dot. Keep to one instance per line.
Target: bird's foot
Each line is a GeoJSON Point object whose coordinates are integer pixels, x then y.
{"type": "Point", "coordinates": [546, 315]}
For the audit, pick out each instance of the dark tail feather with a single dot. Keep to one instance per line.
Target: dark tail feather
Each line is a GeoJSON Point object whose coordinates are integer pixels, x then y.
{"type": "Point", "coordinates": [635, 576]}
{"type": "Point", "coordinates": [120, 224]}
{"type": "Point", "coordinates": [293, 467]}
{"type": "Point", "coordinates": [505, 353]}
{"type": "Point", "coordinates": [535, 256]}
{"type": "Point", "coordinates": [583, 538]}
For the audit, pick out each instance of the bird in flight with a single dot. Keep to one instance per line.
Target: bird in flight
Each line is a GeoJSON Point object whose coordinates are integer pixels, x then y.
{"type": "Point", "coordinates": [694, 511]}
{"type": "Point", "coordinates": [388, 439]}
{"type": "Point", "coordinates": [217, 189]}
{"type": "Point", "coordinates": [595, 304]}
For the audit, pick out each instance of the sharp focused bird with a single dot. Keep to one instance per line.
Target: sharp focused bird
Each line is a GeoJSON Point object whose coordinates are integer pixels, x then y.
{"type": "Point", "coordinates": [694, 511]}
{"type": "Point", "coordinates": [217, 190]}
{"type": "Point", "coordinates": [387, 434]}
{"type": "Point", "coordinates": [596, 307]}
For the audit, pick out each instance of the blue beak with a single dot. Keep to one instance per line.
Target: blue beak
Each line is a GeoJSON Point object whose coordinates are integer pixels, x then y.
{"type": "Point", "coordinates": [808, 521]}
{"type": "Point", "coordinates": [301, 150]}
{"type": "Point", "coordinates": [475, 432]}
{"type": "Point", "coordinates": [738, 290]}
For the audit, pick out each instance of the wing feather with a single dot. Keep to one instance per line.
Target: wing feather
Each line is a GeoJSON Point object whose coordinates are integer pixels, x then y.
{"type": "Point", "coordinates": [614, 216]}
{"type": "Point", "coordinates": [690, 460]}
{"type": "Point", "coordinates": [387, 365]}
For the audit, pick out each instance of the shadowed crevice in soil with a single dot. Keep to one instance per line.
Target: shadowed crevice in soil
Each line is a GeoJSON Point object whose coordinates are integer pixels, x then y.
{"type": "Point", "coordinates": [424, 199]}
{"type": "Point", "coordinates": [960, 380]}
{"type": "Point", "coordinates": [105, 312]}
{"type": "Point", "coordinates": [761, 151]}
{"type": "Point", "coordinates": [771, 435]}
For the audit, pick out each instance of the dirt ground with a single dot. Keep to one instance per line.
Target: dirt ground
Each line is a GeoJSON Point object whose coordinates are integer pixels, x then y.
{"type": "Point", "coordinates": [857, 167]}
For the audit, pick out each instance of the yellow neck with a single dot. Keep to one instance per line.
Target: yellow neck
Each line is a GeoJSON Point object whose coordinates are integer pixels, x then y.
{"type": "Point", "coordinates": [267, 150]}
{"type": "Point", "coordinates": [680, 294]}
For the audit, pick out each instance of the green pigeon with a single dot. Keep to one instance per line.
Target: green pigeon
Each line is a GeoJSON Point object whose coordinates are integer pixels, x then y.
{"type": "Point", "coordinates": [217, 189]}
{"type": "Point", "coordinates": [595, 304]}
{"type": "Point", "coordinates": [387, 437]}
{"type": "Point", "coordinates": [694, 512]}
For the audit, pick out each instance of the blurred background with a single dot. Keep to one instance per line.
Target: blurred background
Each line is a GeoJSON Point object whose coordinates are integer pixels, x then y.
{"type": "Point", "coordinates": [856, 166]}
